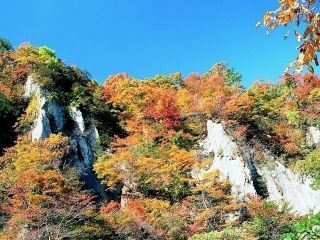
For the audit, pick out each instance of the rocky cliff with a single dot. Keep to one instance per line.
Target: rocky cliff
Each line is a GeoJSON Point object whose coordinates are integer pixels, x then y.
{"type": "Point", "coordinates": [52, 117]}
{"type": "Point", "coordinates": [273, 180]}
{"type": "Point", "coordinates": [279, 183]}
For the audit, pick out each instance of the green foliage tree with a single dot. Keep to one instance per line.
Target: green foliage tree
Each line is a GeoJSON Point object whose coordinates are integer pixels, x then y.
{"type": "Point", "coordinates": [310, 166]}
{"type": "Point", "coordinates": [222, 69]}
{"type": "Point", "coordinates": [174, 80]}
{"type": "Point", "coordinates": [228, 233]}
{"type": "Point", "coordinates": [306, 228]}
{"type": "Point", "coordinates": [5, 45]}
{"type": "Point", "coordinates": [7, 119]}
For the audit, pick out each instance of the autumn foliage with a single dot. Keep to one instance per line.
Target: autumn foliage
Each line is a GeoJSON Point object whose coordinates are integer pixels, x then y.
{"type": "Point", "coordinates": [305, 19]}
{"type": "Point", "coordinates": [156, 162]}
{"type": "Point", "coordinates": [158, 185]}
{"type": "Point", "coordinates": [39, 200]}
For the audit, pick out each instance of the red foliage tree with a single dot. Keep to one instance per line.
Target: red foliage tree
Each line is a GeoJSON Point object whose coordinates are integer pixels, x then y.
{"type": "Point", "coordinates": [305, 84]}
{"type": "Point", "coordinates": [164, 109]}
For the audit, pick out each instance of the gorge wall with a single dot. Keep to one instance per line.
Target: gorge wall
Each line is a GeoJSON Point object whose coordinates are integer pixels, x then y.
{"type": "Point", "coordinates": [280, 183]}
{"type": "Point", "coordinates": [52, 117]}
{"type": "Point", "coordinates": [273, 181]}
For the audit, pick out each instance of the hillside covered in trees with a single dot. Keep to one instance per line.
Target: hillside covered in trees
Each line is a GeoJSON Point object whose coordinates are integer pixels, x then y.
{"type": "Point", "coordinates": [124, 160]}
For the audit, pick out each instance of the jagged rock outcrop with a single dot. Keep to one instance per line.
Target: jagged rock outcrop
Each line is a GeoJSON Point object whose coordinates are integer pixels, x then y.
{"type": "Point", "coordinates": [227, 159]}
{"type": "Point", "coordinates": [280, 183]}
{"type": "Point", "coordinates": [313, 136]}
{"type": "Point", "coordinates": [52, 117]}
{"type": "Point", "coordinates": [285, 186]}
{"type": "Point", "coordinates": [31, 87]}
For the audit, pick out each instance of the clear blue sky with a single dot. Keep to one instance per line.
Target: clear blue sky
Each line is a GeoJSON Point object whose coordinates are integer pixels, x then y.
{"type": "Point", "coordinates": [147, 37]}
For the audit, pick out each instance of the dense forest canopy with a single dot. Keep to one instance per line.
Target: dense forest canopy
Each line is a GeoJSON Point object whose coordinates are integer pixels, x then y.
{"type": "Point", "coordinates": [157, 181]}
{"type": "Point", "coordinates": [149, 134]}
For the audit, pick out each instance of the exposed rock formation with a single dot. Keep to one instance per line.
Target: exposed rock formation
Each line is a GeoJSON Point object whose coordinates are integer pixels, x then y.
{"type": "Point", "coordinates": [30, 87]}
{"type": "Point", "coordinates": [52, 118]}
{"type": "Point", "coordinates": [227, 159]}
{"type": "Point", "coordinates": [285, 186]}
{"type": "Point", "coordinates": [313, 136]}
{"type": "Point", "coordinates": [281, 184]}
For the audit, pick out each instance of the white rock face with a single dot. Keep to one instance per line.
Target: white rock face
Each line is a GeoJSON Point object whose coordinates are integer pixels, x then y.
{"type": "Point", "coordinates": [47, 109]}
{"type": "Point", "coordinates": [285, 186]}
{"type": "Point", "coordinates": [78, 118]}
{"type": "Point", "coordinates": [83, 137]}
{"type": "Point", "coordinates": [313, 136]}
{"type": "Point", "coordinates": [31, 87]}
{"type": "Point", "coordinates": [82, 155]}
{"type": "Point", "coordinates": [41, 128]}
{"type": "Point", "coordinates": [227, 160]}
{"type": "Point", "coordinates": [281, 183]}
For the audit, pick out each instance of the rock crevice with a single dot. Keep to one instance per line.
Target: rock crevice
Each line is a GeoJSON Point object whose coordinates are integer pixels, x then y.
{"type": "Point", "coordinates": [277, 183]}
{"type": "Point", "coordinates": [53, 118]}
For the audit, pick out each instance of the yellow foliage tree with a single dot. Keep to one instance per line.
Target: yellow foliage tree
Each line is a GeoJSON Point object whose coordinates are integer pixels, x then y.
{"type": "Point", "coordinates": [39, 200]}
{"type": "Point", "coordinates": [303, 14]}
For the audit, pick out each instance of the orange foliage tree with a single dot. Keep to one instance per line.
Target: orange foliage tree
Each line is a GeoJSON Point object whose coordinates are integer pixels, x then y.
{"type": "Point", "coordinates": [163, 108]}
{"type": "Point", "coordinates": [38, 199]}
{"type": "Point", "coordinates": [306, 20]}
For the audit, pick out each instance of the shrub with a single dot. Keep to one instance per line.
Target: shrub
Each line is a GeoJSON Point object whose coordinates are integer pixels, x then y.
{"type": "Point", "coordinates": [310, 166]}
{"type": "Point", "coordinates": [228, 233]}
{"type": "Point", "coordinates": [5, 45]}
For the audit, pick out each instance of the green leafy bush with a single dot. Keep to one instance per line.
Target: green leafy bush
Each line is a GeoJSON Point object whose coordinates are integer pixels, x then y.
{"type": "Point", "coordinates": [307, 228]}
{"type": "Point", "coordinates": [5, 45]}
{"type": "Point", "coordinates": [310, 166]}
{"type": "Point", "coordinates": [7, 118]}
{"type": "Point", "coordinates": [228, 233]}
